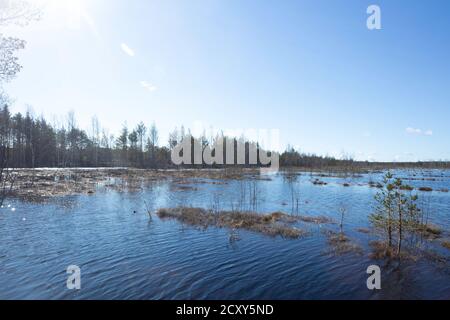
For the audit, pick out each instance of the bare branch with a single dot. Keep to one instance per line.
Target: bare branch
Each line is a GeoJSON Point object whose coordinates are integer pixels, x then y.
{"type": "Point", "coordinates": [9, 65]}
{"type": "Point", "coordinates": [18, 12]}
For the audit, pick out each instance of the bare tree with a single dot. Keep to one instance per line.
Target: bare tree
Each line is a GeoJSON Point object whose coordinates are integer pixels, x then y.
{"type": "Point", "coordinates": [95, 138]}
{"type": "Point", "coordinates": [152, 143]}
{"type": "Point", "coordinates": [17, 12]}
{"type": "Point", "coordinates": [5, 140]}
{"type": "Point", "coordinates": [174, 138]}
{"type": "Point", "coordinates": [9, 65]}
{"type": "Point", "coordinates": [342, 211]}
{"type": "Point", "coordinates": [291, 177]}
{"type": "Point", "coordinates": [6, 174]}
{"type": "Point", "coordinates": [141, 130]}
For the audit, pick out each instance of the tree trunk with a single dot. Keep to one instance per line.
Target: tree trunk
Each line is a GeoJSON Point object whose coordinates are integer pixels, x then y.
{"type": "Point", "coordinates": [389, 229]}
{"type": "Point", "coordinates": [399, 247]}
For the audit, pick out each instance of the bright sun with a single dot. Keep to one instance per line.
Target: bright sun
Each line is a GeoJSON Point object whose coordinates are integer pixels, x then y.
{"type": "Point", "coordinates": [66, 12]}
{"type": "Point", "coordinates": [71, 8]}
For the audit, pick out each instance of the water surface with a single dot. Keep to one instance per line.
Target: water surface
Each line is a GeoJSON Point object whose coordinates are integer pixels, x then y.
{"type": "Point", "coordinates": [125, 255]}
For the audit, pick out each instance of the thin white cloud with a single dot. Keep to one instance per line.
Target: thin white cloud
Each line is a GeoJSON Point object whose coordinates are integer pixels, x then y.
{"type": "Point", "coordinates": [413, 130]}
{"type": "Point", "coordinates": [416, 131]}
{"type": "Point", "coordinates": [148, 86]}
{"type": "Point", "coordinates": [127, 49]}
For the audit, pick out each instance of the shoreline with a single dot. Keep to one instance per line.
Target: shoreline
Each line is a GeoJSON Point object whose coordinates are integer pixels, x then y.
{"type": "Point", "coordinates": [39, 183]}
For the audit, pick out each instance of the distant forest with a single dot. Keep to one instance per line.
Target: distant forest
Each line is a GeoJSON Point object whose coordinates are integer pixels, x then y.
{"type": "Point", "coordinates": [29, 142]}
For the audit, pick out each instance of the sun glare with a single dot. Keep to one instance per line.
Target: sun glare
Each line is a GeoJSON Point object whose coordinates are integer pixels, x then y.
{"type": "Point", "coordinates": [68, 12]}
{"type": "Point", "coordinates": [71, 10]}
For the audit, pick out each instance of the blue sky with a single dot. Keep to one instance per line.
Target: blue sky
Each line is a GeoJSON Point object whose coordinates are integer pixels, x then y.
{"type": "Point", "coordinates": [311, 69]}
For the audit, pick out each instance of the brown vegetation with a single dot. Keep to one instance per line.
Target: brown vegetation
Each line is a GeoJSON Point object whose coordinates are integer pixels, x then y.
{"type": "Point", "coordinates": [341, 244]}
{"type": "Point", "coordinates": [34, 184]}
{"type": "Point", "coordinates": [275, 224]}
{"type": "Point", "coordinates": [375, 185]}
{"type": "Point", "coordinates": [319, 182]}
{"type": "Point", "coordinates": [316, 220]}
{"type": "Point", "coordinates": [446, 244]}
{"type": "Point", "coordinates": [429, 231]}
{"type": "Point", "coordinates": [381, 250]}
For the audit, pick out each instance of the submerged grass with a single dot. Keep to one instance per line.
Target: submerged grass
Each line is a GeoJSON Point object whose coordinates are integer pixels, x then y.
{"type": "Point", "coordinates": [316, 220]}
{"type": "Point", "coordinates": [380, 250]}
{"type": "Point", "coordinates": [274, 224]}
{"type": "Point", "coordinates": [35, 184]}
{"type": "Point", "coordinates": [318, 182]}
{"type": "Point", "coordinates": [341, 244]}
{"type": "Point", "coordinates": [446, 244]}
{"type": "Point", "coordinates": [429, 231]}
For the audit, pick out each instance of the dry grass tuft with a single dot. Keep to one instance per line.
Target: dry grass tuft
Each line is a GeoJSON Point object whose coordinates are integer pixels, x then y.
{"type": "Point", "coordinates": [429, 231]}
{"type": "Point", "coordinates": [341, 244]}
{"type": "Point", "coordinates": [36, 184]}
{"type": "Point", "coordinates": [318, 182]}
{"type": "Point", "coordinates": [275, 224]}
{"type": "Point", "coordinates": [446, 244]}
{"type": "Point", "coordinates": [316, 220]}
{"type": "Point", "coordinates": [375, 185]}
{"type": "Point", "coordinates": [182, 188]}
{"type": "Point", "coordinates": [381, 250]}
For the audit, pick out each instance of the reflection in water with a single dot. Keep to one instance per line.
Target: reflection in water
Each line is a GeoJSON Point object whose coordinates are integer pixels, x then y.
{"type": "Point", "coordinates": [125, 255]}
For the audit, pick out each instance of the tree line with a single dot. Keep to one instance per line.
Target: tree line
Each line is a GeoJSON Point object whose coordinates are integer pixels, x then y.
{"type": "Point", "coordinates": [33, 142]}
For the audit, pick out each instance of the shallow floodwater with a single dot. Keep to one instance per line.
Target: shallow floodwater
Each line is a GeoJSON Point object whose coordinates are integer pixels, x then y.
{"type": "Point", "coordinates": [125, 255]}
